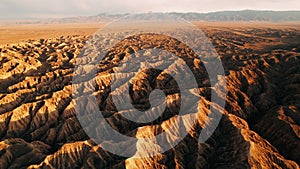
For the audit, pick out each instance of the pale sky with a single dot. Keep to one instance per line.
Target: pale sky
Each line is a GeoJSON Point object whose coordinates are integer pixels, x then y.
{"type": "Point", "coordinates": [20, 9]}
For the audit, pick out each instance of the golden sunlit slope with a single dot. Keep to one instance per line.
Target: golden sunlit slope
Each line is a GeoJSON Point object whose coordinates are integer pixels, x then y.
{"type": "Point", "coordinates": [259, 128]}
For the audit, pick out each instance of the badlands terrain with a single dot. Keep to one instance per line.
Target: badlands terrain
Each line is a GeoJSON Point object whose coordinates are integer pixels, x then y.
{"type": "Point", "coordinates": [260, 127]}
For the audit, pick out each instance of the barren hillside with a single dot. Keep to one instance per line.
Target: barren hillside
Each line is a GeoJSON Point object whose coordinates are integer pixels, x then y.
{"type": "Point", "coordinates": [260, 127]}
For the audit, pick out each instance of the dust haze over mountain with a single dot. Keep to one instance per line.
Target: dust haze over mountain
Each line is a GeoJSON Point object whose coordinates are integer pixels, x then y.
{"type": "Point", "coordinates": [16, 9]}
{"type": "Point", "coordinates": [222, 16]}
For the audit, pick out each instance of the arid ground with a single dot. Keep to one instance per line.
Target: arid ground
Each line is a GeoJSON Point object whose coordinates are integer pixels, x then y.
{"type": "Point", "coordinates": [260, 127]}
{"type": "Point", "coordinates": [15, 33]}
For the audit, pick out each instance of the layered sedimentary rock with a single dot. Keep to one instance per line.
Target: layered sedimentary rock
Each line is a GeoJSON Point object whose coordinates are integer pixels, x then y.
{"type": "Point", "coordinates": [259, 127]}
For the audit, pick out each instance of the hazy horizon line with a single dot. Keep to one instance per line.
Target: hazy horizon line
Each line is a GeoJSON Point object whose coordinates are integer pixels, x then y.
{"type": "Point", "coordinates": [124, 13]}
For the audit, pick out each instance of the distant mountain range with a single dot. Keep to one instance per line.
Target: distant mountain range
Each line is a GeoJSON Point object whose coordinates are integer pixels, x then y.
{"type": "Point", "coordinates": [223, 16]}
{"type": "Point", "coordinates": [246, 15]}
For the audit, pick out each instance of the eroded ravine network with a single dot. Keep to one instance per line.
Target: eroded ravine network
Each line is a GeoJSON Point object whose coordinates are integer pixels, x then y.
{"type": "Point", "coordinates": [259, 129]}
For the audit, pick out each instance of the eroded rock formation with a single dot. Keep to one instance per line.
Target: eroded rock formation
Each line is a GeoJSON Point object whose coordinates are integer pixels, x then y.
{"type": "Point", "coordinates": [259, 127]}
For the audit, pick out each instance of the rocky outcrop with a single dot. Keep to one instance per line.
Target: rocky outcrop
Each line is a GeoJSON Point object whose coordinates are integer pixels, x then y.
{"type": "Point", "coordinates": [259, 127]}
